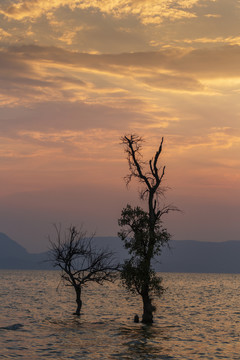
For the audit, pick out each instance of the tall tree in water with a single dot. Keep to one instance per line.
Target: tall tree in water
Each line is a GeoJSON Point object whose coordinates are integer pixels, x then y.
{"type": "Point", "coordinates": [142, 231]}
{"type": "Point", "coordinates": [80, 261]}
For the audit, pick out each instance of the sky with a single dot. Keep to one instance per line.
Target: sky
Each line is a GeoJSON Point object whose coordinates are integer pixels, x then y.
{"type": "Point", "coordinates": [77, 75]}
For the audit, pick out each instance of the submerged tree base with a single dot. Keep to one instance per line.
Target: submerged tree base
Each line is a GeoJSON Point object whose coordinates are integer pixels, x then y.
{"type": "Point", "coordinates": [147, 319]}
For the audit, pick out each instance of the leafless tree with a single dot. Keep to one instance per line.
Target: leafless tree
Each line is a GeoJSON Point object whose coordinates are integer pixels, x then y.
{"type": "Point", "coordinates": [80, 261]}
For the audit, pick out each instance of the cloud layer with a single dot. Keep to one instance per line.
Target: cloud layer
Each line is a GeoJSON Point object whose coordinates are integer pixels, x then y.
{"type": "Point", "coordinates": [150, 11]}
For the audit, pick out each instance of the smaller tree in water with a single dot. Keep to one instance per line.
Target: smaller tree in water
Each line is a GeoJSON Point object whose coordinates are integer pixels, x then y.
{"type": "Point", "coordinates": [80, 261]}
{"type": "Point", "coordinates": [142, 231]}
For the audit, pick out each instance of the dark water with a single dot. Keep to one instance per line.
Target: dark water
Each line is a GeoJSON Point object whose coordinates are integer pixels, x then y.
{"type": "Point", "coordinates": [198, 318]}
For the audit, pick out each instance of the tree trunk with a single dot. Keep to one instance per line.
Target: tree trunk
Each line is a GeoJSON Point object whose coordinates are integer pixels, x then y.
{"type": "Point", "coordinates": [78, 300]}
{"type": "Point", "coordinates": [147, 317]}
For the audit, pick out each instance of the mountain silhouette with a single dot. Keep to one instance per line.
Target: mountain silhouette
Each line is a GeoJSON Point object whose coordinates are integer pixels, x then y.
{"type": "Point", "coordinates": [186, 256]}
{"type": "Point", "coordinates": [9, 247]}
{"type": "Point", "coordinates": [200, 257]}
{"type": "Point", "coordinates": [15, 256]}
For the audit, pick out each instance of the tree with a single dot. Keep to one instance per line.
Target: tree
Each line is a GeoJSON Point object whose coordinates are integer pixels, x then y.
{"type": "Point", "coordinates": [142, 231]}
{"type": "Point", "coordinates": [80, 261]}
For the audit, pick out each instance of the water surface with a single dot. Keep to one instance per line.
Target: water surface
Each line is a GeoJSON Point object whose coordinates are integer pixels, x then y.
{"type": "Point", "coordinates": [197, 318]}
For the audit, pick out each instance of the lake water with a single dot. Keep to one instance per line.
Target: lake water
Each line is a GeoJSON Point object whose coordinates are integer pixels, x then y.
{"type": "Point", "coordinates": [197, 318]}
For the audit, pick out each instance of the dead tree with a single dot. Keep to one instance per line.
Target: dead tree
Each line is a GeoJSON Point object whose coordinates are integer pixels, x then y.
{"type": "Point", "coordinates": [80, 261]}
{"type": "Point", "coordinates": [142, 231]}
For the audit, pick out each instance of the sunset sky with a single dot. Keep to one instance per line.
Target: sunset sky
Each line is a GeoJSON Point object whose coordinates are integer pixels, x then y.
{"type": "Point", "coordinates": [77, 75]}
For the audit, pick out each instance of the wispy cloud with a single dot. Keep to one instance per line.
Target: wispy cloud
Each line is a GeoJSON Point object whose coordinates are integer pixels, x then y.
{"type": "Point", "coordinates": [160, 67]}
{"type": "Point", "coordinates": [231, 40]}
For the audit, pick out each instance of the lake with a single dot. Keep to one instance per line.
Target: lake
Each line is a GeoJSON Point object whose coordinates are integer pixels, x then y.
{"type": "Point", "coordinates": [197, 318]}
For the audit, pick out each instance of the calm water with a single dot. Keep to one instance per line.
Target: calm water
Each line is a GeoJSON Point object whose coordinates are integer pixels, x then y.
{"type": "Point", "coordinates": [198, 318]}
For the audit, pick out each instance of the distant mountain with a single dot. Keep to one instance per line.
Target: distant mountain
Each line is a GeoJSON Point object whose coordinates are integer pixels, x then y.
{"type": "Point", "coordinates": [15, 256]}
{"type": "Point", "coordinates": [9, 247]}
{"type": "Point", "coordinates": [190, 256]}
{"type": "Point", "coordinates": [182, 256]}
{"type": "Point", "coordinates": [201, 257]}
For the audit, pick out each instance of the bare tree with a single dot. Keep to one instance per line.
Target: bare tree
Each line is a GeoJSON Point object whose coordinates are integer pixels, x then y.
{"type": "Point", "coordinates": [142, 231]}
{"type": "Point", "coordinates": [80, 261]}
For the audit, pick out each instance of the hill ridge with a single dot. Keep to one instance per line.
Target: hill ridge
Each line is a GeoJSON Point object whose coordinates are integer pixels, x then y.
{"type": "Point", "coordinates": [182, 256]}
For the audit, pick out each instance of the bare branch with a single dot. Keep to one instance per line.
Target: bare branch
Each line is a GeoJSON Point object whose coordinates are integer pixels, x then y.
{"type": "Point", "coordinates": [133, 145]}
{"type": "Point", "coordinates": [80, 261]}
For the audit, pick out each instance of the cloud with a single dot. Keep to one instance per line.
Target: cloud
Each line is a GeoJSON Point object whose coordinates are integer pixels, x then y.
{"type": "Point", "coordinates": [176, 82]}
{"type": "Point", "coordinates": [221, 61]}
{"type": "Point", "coordinates": [125, 26]}
{"type": "Point", "coordinates": [213, 15]}
{"type": "Point", "coordinates": [218, 62]}
{"type": "Point", "coordinates": [76, 116]}
{"type": "Point", "coordinates": [31, 81]}
{"type": "Point", "coordinates": [217, 138]}
{"type": "Point", "coordinates": [34, 74]}
{"type": "Point", "coordinates": [31, 8]}
{"type": "Point", "coordinates": [224, 137]}
{"type": "Point", "coordinates": [149, 12]}
{"type": "Point", "coordinates": [4, 34]}
{"type": "Point", "coordinates": [231, 40]}
{"type": "Point", "coordinates": [47, 86]}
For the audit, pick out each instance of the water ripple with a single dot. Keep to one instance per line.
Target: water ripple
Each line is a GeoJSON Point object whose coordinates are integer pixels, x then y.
{"type": "Point", "coordinates": [197, 318]}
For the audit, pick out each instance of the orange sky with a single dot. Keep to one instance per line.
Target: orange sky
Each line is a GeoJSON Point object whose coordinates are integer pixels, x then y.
{"type": "Point", "coordinates": [77, 75]}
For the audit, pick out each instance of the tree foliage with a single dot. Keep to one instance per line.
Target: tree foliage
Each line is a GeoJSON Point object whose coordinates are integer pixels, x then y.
{"type": "Point", "coordinates": [135, 232]}
{"type": "Point", "coordinates": [137, 271]}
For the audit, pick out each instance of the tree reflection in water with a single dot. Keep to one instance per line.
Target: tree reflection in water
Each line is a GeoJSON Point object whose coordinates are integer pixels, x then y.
{"type": "Point", "coordinates": [144, 342]}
